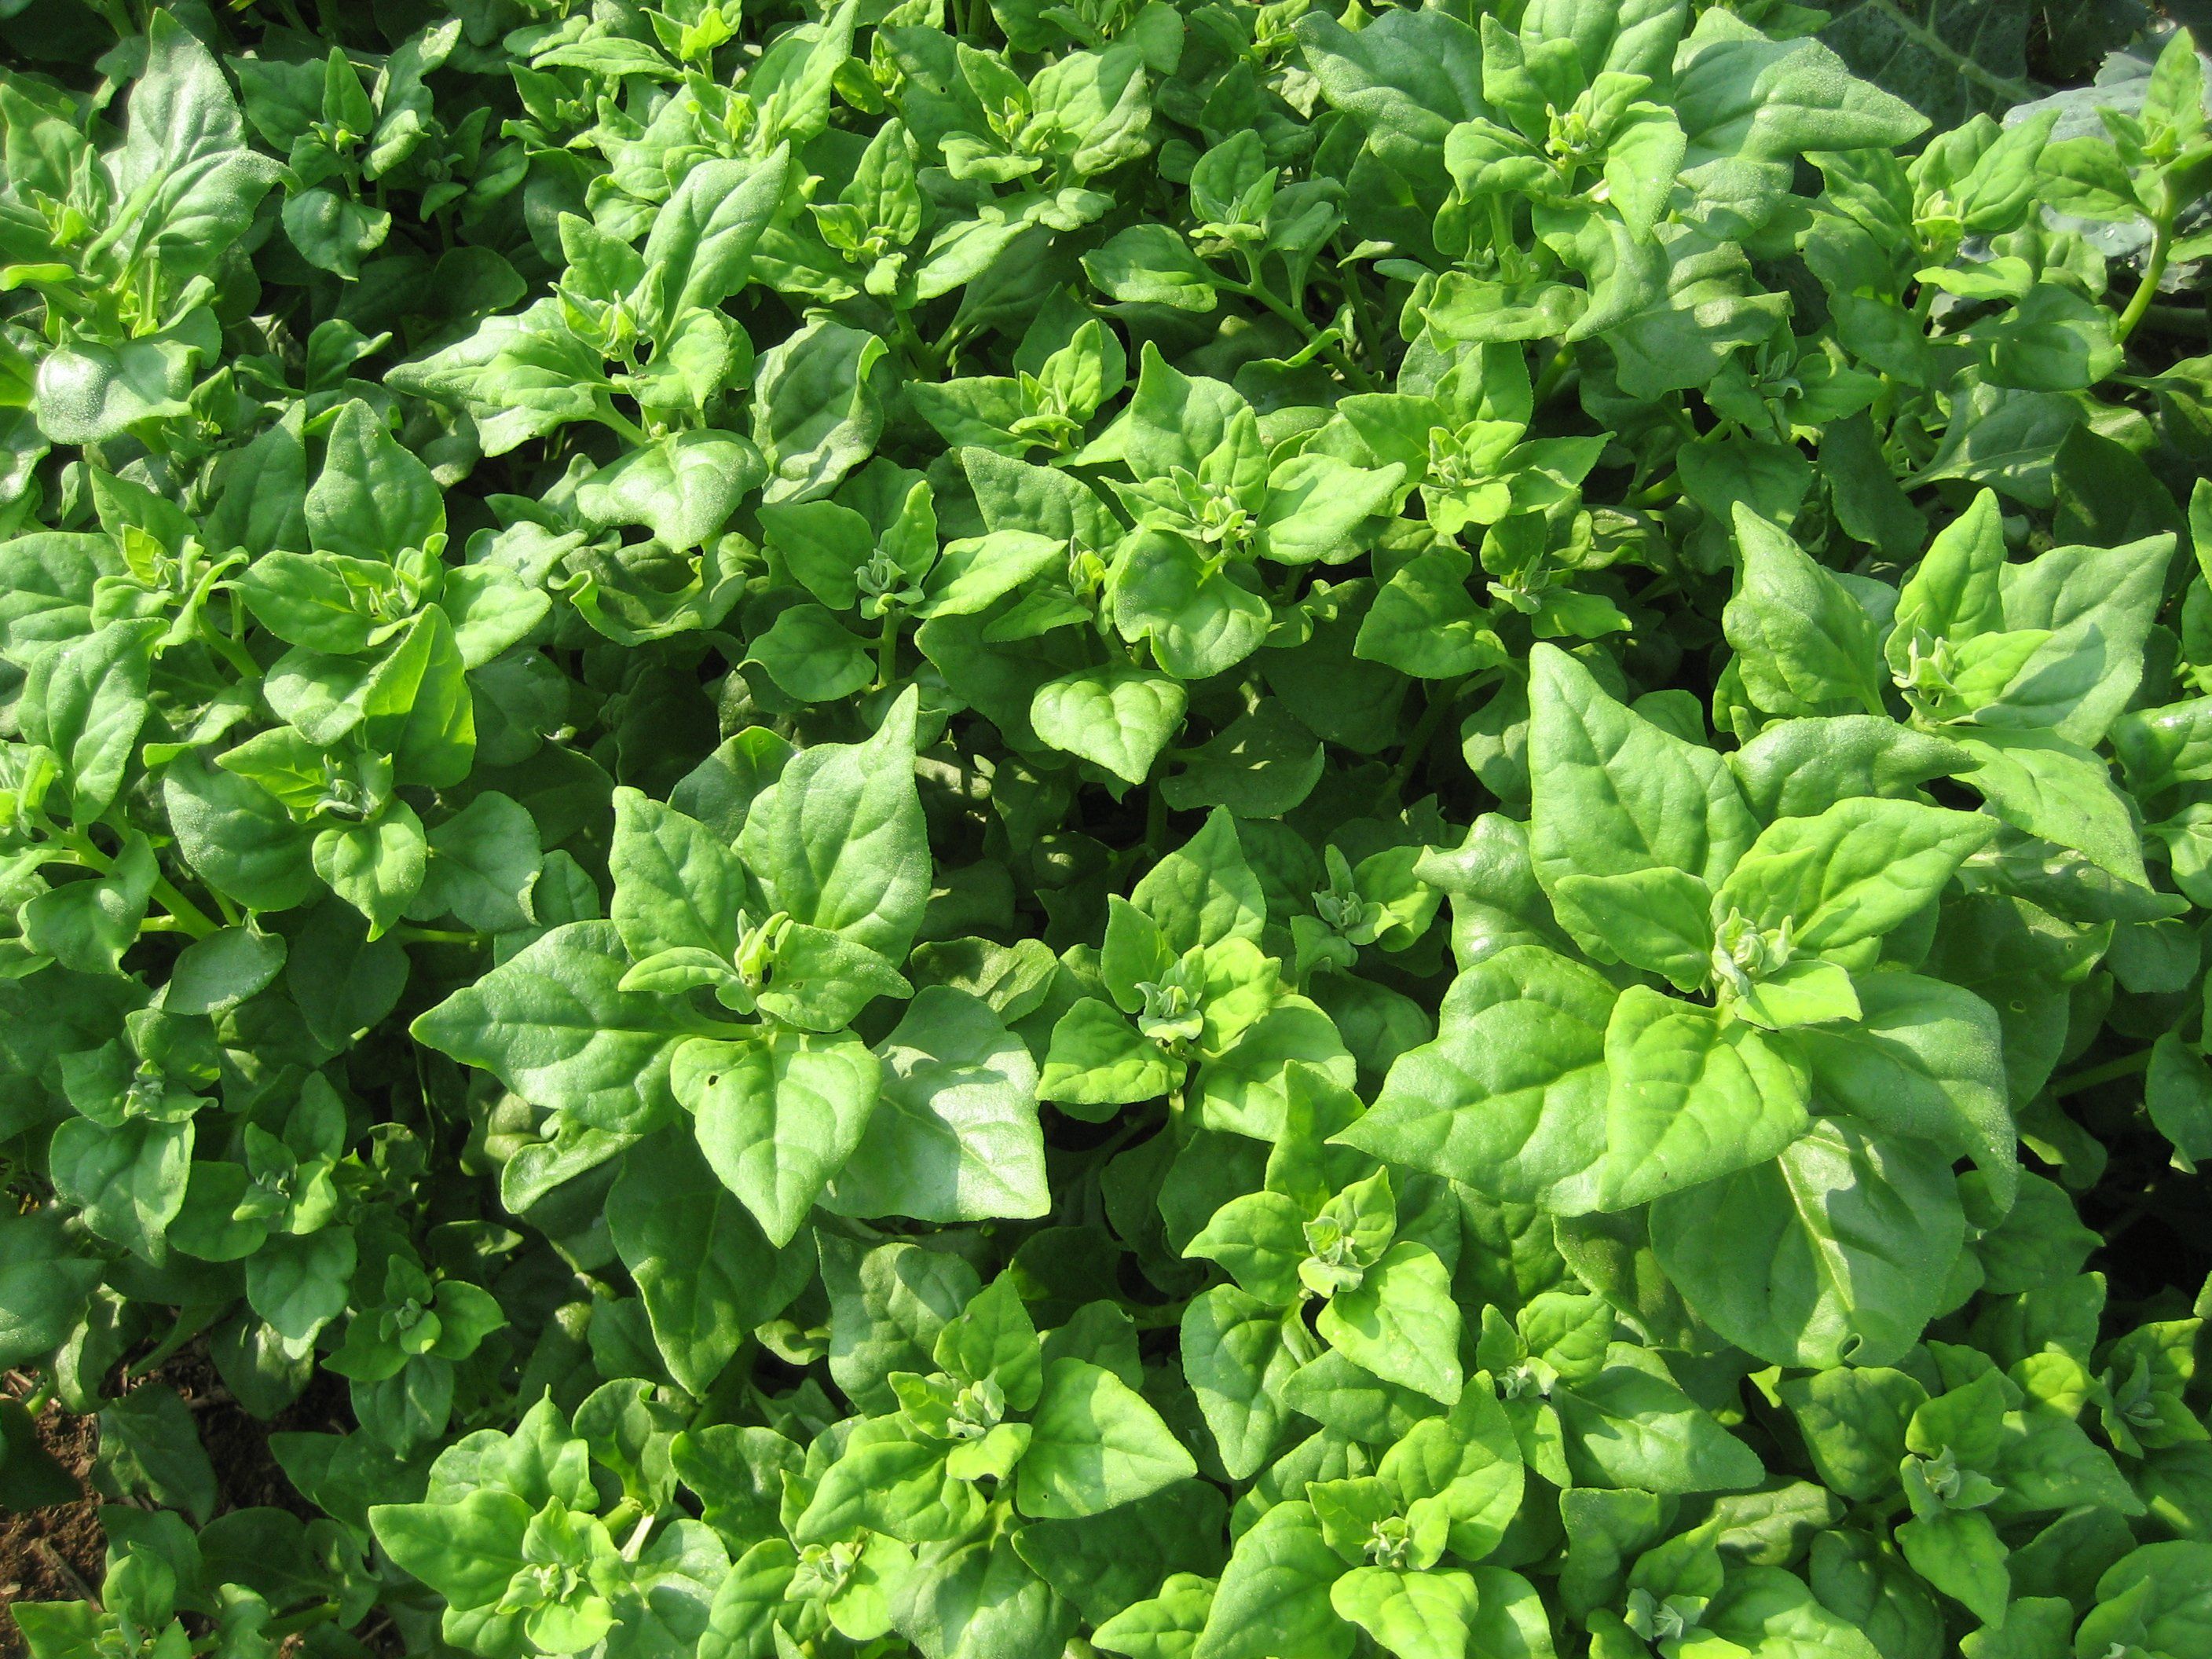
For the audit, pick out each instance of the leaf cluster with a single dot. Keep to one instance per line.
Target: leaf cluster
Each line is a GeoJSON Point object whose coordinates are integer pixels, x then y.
{"type": "Point", "coordinates": [1205, 830]}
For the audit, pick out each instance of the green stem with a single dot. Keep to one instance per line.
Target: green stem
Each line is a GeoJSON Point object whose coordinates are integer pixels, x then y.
{"type": "Point", "coordinates": [81, 851]}
{"type": "Point", "coordinates": [188, 916]}
{"type": "Point", "coordinates": [1156, 819]}
{"type": "Point", "coordinates": [1298, 319]}
{"type": "Point", "coordinates": [887, 650]}
{"type": "Point", "coordinates": [1370, 337]}
{"type": "Point", "coordinates": [230, 651]}
{"type": "Point", "coordinates": [438, 936]}
{"type": "Point", "coordinates": [944, 345]}
{"type": "Point", "coordinates": [916, 347]}
{"type": "Point", "coordinates": [306, 1618]}
{"type": "Point", "coordinates": [2163, 318]}
{"type": "Point", "coordinates": [1502, 242]}
{"type": "Point", "coordinates": [189, 1323]}
{"type": "Point", "coordinates": [1441, 698]}
{"type": "Point", "coordinates": [610, 416]}
{"type": "Point", "coordinates": [2126, 1066]}
{"type": "Point", "coordinates": [1554, 371]}
{"type": "Point", "coordinates": [2162, 244]}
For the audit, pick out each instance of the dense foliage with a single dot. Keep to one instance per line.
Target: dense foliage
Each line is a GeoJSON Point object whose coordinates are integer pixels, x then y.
{"type": "Point", "coordinates": [1144, 825]}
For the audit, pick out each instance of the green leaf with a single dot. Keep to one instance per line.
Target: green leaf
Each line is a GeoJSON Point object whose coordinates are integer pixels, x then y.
{"type": "Point", "coordinates": [1837, 1251]}
{"type": "Point", "coordinates": [1766, 99]}
{"type": "Point", "coordinates": [1095, 1445]}
{"type": "Point", "coordinates": [1795, 768]}
{"type": "Point", "coordinates": [1117, 718]}
{"type": "Point", "coordinates": [1855, 872]}
{"type": "Point", "coordinates": [676, 886]}
{"type": "Point", "coordinates": [818, 406]}
{"type": "Point", "coordinates": [1692, 1097]}
{"type": "Point", "coordinates": [43, 1285]}
{"type": "Point", "coordinates": [237, 835]}
{"type": "Point", "coordinates": [373, 499]}
{"type": "Point", "coordinates": [954, 1136]}
{"type": "Point", "coordinates": [1161, 1626]}
{"type": "Point", "coordinates": [780, 1112]}
{"type": "Point", "coordinates": [887, 1307]}
{"type": "Point", "coordinates": [1400, 1322]}
{"type": "Point", "coordinates": [184, 165]}
{"type": "Point", "coordinates": [376, 867]}
{"type": "Point", "coordinates": [2046, 787]}
{"type": "Point", "coordinates": [1853, 1419]}
{"type": "Point", "coordinates": [484, 863]}
{"type": "Point", "coordinates": [128, 1182]}
{"type": "Point", "coordinates": [1152, 264]}
{"type": "Point", "coordinates": [838, 839]}
{"type": "Point", "coordinates": [1275, 1593]}
{"type": "Point", "coordinates": [552, 1024]}
{"type": "Point", "coordinates": [1658, 920]}
{"type": "Point", "coordinates": [1097, 1058]}
{"type": "Point", "coordinates": [86, 701]}
{"type": "Point", "coordinates": [680, 488]}
{"type": "Point", "coordinates": [809, 654]}
{"type": "Point", "coordinates": [1926, 1059]}
{"type": "Point", "coordinates": [706, 1273]}
{"type": "Point", "coordinates": [1261, 765]}
{"type": "Point", "coordinates": [1765, 1609]}
{"type": "Point", "coordinates": [1803, 641]}
{"type": "Point", "coordinates": [87, 926]}
{"type": "Point", "coordinates": [299, 1283]}
{"type": "Point", "coordinates": [700, 249]}
{"type": "Point", "coordinates": [1615, 794]}
{"type": "Point", "coordinates": [1200, 620]}
{"type": "Point", "coordinates": [1205, 891]}
{"type": "Point", "coordinates": [1511, 1096]}
{"type": "Point", "coordinates": [467, 1549]}
{"type": "Point", "coordinates": [149, 1447]}
{"type": "Point", "coordinates": [1237, 1360]}
{"type": "Point", "coordinates": [1630, 1426]}
{"type": "Point", "coordinates": [2153, 1597]}
{"type": "Point", "coordinates": [1415, 1615]}
{"type": "Point", "coordinates": [1959, 1552]}
{"type": "Point", "coordinates": [1425, 623]}
{"type": "Point", "coordinates": [980, 1600]}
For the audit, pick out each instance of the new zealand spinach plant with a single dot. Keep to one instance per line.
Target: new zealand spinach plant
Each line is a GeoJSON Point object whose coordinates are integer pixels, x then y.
{"type": "Point", "coordinates": [848, 828]}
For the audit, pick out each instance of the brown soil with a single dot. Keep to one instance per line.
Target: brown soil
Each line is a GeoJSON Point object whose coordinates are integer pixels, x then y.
{"type": "Point", "coordinates": [52, 1554]}
{"type": "Point", "coordinates": [59, 1554]}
